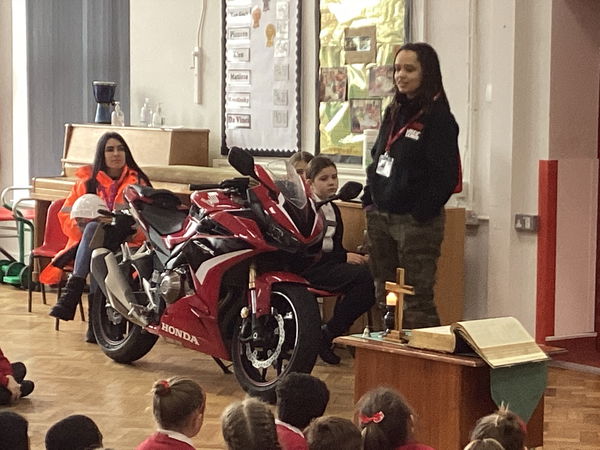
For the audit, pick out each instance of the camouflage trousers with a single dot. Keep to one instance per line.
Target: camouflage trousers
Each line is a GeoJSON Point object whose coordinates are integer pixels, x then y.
{"type": "Point", "coordinates": [398, 240]}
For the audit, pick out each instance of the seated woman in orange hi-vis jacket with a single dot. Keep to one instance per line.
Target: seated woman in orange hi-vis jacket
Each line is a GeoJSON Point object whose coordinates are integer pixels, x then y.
{"type": "Point", "coordinates": [112, 171]}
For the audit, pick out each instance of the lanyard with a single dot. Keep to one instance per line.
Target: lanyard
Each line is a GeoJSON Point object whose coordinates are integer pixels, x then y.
{"type": "Point", "coordinates": [401, 131]}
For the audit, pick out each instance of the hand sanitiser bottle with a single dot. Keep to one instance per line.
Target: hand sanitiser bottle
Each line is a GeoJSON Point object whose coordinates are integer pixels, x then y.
{"type": "Point", "coordinates": [117, 117]}
{"type": "Point", "coordinates": [146, 114]}
{"type": "Point", "coordinates": [157, 117]}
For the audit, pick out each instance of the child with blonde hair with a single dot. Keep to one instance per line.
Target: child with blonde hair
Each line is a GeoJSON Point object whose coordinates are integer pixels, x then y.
{"type": "Point", "coordinates": [504, 426]}
{"type": "Point", "coordinates": [249, 425]}
{"type": "Point", "coordinates": [299, 161]}
{"type": "Point", "coordinates": [386, 421]}
{"type": "Point", "coordinates": [178, 405]}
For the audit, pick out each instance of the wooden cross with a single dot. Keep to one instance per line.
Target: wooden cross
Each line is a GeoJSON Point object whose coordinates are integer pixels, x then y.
{"type": "Point", "coordinates": [395, 297]}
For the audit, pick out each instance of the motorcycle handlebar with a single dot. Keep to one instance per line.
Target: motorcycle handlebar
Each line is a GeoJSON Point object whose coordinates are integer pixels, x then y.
{"type": "Point", "coordinates": [106, 213]}
{"type": "Point", "coordinates": [200, 187]}
{"type": "Point", "coordinates": [239, 184]}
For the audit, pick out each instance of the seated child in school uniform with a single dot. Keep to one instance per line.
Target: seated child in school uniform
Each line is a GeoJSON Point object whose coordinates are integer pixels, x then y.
{"type": "Point", "coordinates": [338, 270]}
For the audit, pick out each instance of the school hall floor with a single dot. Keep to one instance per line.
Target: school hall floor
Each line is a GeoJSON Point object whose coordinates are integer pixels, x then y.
{"type": "Point", "coordinates": [72, 376]}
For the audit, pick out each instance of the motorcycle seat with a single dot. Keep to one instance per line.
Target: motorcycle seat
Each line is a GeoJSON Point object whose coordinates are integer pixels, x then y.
{"type": "Point", "coordinates": [165, 221]}
{"type": "Point", "coordinates": [163, 198]}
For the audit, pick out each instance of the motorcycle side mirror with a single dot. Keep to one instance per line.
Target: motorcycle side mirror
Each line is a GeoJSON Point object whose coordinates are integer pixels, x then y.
{"type": "Point", "coordinates": [349, 190]}
{"type": "Point", "coordinates": [242, 161]}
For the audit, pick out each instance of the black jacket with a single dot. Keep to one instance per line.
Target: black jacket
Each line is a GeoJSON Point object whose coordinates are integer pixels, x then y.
{"type": "Point", "coordinates": [425, 168]}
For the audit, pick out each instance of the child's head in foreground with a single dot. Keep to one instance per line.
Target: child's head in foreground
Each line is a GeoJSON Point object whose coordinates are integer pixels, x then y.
{"type": "Point", "coordinates": [385, 419]}
{"type": "Point", "coordinates": [249, 425]}
{"type": "Point", "coordinates": [178, 404]}
{"type": "Point", "coordinates": [329, 432]}
{"type": "Point", "coordinates": [300, 398]}
{"type": "Point", "coordinates": [504, 426]}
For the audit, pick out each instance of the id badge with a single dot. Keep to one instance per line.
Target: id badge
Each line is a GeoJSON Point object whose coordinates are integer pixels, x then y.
{"type": "Point", "coordinates": [384, 165]}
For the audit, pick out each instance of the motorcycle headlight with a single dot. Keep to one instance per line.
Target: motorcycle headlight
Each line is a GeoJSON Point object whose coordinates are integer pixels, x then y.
{"type": "Point", "coordinates": [282, 238]}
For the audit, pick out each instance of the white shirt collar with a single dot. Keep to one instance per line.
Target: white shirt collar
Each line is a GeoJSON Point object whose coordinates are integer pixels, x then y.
{"type": "Point", "coordinates": [289, 427]}
{"type": "Point", "coordinates": [177, 436]}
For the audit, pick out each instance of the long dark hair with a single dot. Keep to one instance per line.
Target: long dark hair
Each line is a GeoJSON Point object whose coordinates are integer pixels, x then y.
{"type": "Point", "coordinates": [432, 87]}
{"type": "Point", "coordinates": [100, 161]}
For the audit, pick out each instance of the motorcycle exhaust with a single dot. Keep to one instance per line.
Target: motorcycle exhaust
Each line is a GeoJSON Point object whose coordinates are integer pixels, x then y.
{"type": "Point", "coordinates": [114, 285]}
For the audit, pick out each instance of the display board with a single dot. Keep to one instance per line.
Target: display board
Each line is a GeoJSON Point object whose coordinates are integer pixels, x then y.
{"type": "Point", "coordinates": [261, 77]}
{"type": "Point", "coordinates": [357, 41]}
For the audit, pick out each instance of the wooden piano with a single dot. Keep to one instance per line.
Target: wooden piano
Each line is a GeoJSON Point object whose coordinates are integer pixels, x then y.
{"type": "Point", "coordinates": [171, 157]}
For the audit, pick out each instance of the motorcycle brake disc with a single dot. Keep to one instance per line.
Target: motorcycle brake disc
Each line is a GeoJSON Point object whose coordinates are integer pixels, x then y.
{"type": "Point", "coordinates": [253, 355]}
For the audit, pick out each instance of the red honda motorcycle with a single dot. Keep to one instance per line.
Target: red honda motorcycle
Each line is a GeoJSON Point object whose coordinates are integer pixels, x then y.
{"type": "Point", "coordinates": [220, 277]}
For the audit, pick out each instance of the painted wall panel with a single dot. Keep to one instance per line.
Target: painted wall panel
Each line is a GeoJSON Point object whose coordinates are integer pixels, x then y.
{"type": "Point", "coordinates": [576, 246]}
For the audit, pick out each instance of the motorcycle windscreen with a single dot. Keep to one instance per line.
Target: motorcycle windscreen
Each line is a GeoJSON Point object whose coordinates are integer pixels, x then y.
{"type": "Point", "coordinates": [288, 181]}
{"type": "Point", "coordinates": [297, 204]}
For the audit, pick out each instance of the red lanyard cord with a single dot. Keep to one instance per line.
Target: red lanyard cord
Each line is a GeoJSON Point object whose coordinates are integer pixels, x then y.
{"type": "Point", "coordinates": [394, 137]}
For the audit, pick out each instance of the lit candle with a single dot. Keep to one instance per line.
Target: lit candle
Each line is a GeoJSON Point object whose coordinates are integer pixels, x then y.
{"type": "Point", "coordinates": [391, 299]}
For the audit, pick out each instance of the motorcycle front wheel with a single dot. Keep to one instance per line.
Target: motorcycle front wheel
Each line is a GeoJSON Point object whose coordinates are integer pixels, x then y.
{"type": "Point", "coordinates": [119, 339]}
{"type": "Point", "coordinates": [292, 336]}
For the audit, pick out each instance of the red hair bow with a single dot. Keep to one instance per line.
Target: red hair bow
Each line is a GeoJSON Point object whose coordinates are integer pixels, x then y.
{"type": "Point", "coordinates": [376, 418]}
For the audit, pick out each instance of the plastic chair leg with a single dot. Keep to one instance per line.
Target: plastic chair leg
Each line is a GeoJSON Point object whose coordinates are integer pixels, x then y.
{"type": "Point", "coordinates": [30, 287]}
{"type": "Point", "coordinates": [43, 289]}
{"type": "Point", "coordinates": [81, 310]}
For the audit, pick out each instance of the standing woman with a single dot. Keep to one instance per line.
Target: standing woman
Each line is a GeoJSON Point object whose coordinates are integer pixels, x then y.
{"type": "Point", "coordinates": [113, 170]}
{"type": "Point", "coordinates": [414, 171]}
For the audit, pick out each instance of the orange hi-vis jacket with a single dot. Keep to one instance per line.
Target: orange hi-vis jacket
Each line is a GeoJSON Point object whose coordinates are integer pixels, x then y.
{"type": "Point", "coordinates": [111, 191]}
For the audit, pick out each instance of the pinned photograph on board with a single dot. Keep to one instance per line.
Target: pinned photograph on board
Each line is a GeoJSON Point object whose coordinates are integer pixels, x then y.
{"type": "Point", "coordinates": [238, 15]}
{"type": "Point", "coordinates": [281, 72]}
{"type": "Point", "coordinates": [381, 81]}
{"type": "Point", "coordinates": [365, 114]}
{"type": "Point", "coordinates": [360, 45]}
{"type": "Point", "coordinates": [238, 54]}
{"type": "Point", "coordinates": [238, 76]}
{"type": "Point", "coordinates": [281, 48]}
{"type": "Point", "coordinates": [280, 97]}
{"type": "Point", "coordinates": [238, 121]}
{"type": "Point", "coordinates": [332, 84]}
{"type": "Point", "coordinates": [238, 99]}
{"type": "Point", "coordinates": [266, 5]}
{"type": "Point", "coordinates": [238, 34]}
{"type": "Point", "coordinates": [280, 119]}
{"type": "Point", "coordinates": [282, 11]}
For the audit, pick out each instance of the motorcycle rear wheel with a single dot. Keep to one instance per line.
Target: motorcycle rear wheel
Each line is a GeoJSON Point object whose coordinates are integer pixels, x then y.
{"type": "Point", "coordinates": [119, 339]}
{"type": "Point", "coordinates": [295, 327]}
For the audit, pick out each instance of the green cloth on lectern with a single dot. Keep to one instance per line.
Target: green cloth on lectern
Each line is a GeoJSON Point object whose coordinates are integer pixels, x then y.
{"type": "Point", "coordinates": [519, 387]}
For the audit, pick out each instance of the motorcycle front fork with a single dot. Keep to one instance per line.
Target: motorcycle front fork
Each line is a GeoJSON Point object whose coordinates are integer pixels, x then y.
{"type": "Point", "coordinates": [253, 328]}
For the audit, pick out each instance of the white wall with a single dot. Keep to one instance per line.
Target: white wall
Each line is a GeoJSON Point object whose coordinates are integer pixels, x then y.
{"type": "Point", "coordinates": [6, 94]}
{"type": "Point", "coordinates": [163, 36]}
{"type": "Point", "coordinates": [496, 60]}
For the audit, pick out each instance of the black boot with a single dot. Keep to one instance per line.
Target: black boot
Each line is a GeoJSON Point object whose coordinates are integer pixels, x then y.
{"type": "Point", "coordinates": [90, 337]}
{"type": "Point", "coordinates": [326, 349]}
{"type": "Point", "coordinates": [67, 304]}
{"type": "Point", "coordinates": [26, 388]}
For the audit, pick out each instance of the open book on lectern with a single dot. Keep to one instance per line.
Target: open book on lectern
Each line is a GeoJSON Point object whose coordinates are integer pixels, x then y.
{"type": "Point", "coordinates": [500, 341]}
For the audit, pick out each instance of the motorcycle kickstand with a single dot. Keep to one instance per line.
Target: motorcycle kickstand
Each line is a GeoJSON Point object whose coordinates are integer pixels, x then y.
{"type": "Point", "coordinates": [222, 365]}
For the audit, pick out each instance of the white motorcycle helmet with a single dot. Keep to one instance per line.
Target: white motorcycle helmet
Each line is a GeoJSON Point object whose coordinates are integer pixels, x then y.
{"type": "Point", "coordinates": [87, 207]}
